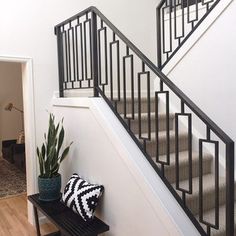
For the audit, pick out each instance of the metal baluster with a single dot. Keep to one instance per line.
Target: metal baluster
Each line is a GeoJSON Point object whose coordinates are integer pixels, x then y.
{"type": "Point", "coordinates": [76, 52]}
{"type": "Point", "coordinates": [89, 47]}
{"type": "Point", "coordinates": [117, 44]}
{"type": "Point", "coordinates": [66, 56]}
{"type": "Point", "coordinates": [79, 58]}
{"type": "Point", "coordinates": [176, 35]}
{"type": "Point", "coordinates": [60, 61]}
{"type": "Point", "coordinates": [162, 162]}
{"type": "Point", "coordinates": [102, 82]}
{"type": "Point", "coordinates": [72, 59]}
{"type": "Point", "coordinates": [229, 188]}
{"type": "Point", "coordinates": [159, 33]}
{"type": "Point", "coordinates": [126, 58]}
{"type": "Point", "coordinates": [178, 187]}
{"type": "Point", "coordinates": [69, 53]}
{"type": "Point", "coordinates": [94, 56]}
{"type": "Point", "coordinates": [141, 137]}
{"type": "Point", "coordinates": [208, 224]}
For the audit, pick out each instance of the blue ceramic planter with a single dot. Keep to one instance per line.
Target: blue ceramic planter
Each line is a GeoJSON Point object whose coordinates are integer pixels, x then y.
{"type": "Point", "coordinates": [49, 188]}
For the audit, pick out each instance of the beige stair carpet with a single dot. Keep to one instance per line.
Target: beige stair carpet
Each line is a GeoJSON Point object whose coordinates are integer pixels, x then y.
{"type": "Point", "coordinates": [192, 200]}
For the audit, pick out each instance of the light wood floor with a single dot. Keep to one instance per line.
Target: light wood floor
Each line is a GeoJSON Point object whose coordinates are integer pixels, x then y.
{"type": "Point", "coordinates": [13, 218]}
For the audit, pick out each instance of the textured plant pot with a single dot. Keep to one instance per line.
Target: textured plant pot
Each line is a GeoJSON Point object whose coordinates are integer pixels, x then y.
{"type": "Point", "coordinates": [49, 188]}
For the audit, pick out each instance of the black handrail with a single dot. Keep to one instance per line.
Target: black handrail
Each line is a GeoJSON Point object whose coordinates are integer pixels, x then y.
{"type": "Point", "coordinates": [66, 60]}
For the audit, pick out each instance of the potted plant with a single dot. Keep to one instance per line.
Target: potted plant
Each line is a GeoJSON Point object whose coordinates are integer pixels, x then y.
{"type": "Point", "coordinates": [50, 157]}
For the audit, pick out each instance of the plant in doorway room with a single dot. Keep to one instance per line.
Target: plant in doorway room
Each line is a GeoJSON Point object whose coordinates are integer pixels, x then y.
{"type": "Point", "coordinates": [50, 157]}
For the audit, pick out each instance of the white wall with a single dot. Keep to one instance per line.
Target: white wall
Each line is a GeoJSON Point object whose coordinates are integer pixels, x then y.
{"type": "Point", "coordinates": [26, 29]}
{"type": "Point", "coordinates": [10, 91]}
{"type": "Point", "coordinates": [207, 72]}
{"type": "Point", "coordinates": [136, 201]}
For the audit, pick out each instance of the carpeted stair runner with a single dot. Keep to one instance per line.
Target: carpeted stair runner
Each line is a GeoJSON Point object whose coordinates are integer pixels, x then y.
{"type": "Point", "coordinates": [192, 200]}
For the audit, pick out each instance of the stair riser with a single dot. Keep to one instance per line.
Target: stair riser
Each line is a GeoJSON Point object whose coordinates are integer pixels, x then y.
{"type": "Point", "coordinates": [151, 146]}
{"type": "Point", "coordinates": [208, 200]}
{"type": "Point", "coordinates": [134, 124]}
{"type": "Point", "coordinates": [216, 232]}
{"type": "Point", "coordinates": [170, 171]}
{"type": "Point", "coordinates": [144, 107]}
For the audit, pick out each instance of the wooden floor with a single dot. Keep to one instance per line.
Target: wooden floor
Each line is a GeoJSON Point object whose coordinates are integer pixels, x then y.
{"type": "Point", "coordinates": [13, 218]}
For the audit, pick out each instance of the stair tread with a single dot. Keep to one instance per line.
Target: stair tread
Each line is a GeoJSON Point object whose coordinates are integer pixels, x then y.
{"type": "Point", "coordinates": [208, 184]}
{"type": "Point", "coordinates": [162, 135]}
{"type": "Point", "coordinates": [129, 99]}
{"type": "Point", "coordinates": [170, 170]}
{"type": "Point", "coordinates": [144, 115]}
{"type": "Point", "coordinates": [183, 157]}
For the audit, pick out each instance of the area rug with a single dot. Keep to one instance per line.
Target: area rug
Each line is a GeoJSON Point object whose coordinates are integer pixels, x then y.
{"type": "Point", "coordinates": [12, 180]}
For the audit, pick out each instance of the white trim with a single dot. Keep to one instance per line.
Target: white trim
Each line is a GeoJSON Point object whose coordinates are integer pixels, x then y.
{"type": "Point", "coordinates": [29, 123]}
{"type": "Point", "coordinates": [71, 102]}
{"type": "Point", "coordinates": [197, 34]}
{"type": "Point", "coordinates": [89, 93]}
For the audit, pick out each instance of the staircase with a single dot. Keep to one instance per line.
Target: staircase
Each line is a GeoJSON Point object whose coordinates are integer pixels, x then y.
{"type": "Point", "coordinates": [161, 119]}
{"type": "Point", "coordinates": [192, 201]}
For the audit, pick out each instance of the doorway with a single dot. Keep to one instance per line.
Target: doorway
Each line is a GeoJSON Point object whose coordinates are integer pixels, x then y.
{"type": "Point", "coordinates": [28, 122]}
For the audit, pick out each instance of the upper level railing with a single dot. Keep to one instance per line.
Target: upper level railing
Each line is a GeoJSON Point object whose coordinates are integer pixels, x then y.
{"type": "Point", "coordinates": [94, 54]}
{"type": "Point", "coordinates": [176, 21]}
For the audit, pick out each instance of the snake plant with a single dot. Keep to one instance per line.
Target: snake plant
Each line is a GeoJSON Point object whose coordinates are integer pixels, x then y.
{"type": "Point", "coordinates": [50, 155]}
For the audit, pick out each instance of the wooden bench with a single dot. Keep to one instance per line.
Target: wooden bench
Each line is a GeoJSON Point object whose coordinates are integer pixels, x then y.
{"type": "Point", "coordinates": [68, 223]}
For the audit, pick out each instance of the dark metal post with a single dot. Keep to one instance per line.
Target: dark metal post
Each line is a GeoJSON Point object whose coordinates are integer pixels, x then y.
{"type": "Point", "coordinates": [158, 19]}
{"type": "Point", "coordinates": [230, 189]}
{"type": "Point", "coordinates": [36, 218]}
{"type": "Point", "coordinates": [95, 53]}
{"type": "Point", "coordinates": [60, 61]}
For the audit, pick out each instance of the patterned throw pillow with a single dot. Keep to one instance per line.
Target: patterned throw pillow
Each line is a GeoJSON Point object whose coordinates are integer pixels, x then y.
{"type": "Point", "coordinates": [82, 197]}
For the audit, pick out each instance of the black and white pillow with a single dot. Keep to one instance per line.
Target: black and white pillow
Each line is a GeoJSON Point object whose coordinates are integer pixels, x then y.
{"type": "Point", "coordinates": [82, 197]}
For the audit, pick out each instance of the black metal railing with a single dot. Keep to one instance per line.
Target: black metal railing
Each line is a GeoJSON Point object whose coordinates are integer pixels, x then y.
{"type": "Point", "coordinates": [94, 54]}
{"type": "Point", "coordinates": [176, 21]}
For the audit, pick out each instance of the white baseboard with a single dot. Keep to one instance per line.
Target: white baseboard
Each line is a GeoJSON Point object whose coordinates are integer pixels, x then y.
{"type": "Point", "coordinates": [89, 93]}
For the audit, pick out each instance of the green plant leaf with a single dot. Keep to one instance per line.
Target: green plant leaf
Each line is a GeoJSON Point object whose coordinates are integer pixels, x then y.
{"type": "Point", "coordinates": [55, 168]}
{"type": "Point", "coordinates": [51, 152]}
{"type": "Point", "coordinates": [48, 155]}
{"type": "Point", "coordinates": [60, 140]}
{"type": "Point", "coordinates": [41, 166]}
{"type": "Point", "coordinates": [55, 172]}
{"type": "Point", "coordinates": [43, 151]}
{"type": "Point", "coordinates": [56, 130]}
{"type": "Point", "coordinates": [65, 153]}
{"type": "Point", "coordinates": [37, 150]}
{"type": "Point", "coordinates": [51, 132]}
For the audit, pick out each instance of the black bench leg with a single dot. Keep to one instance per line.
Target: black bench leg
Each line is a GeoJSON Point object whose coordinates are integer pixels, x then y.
{"type": "Point", "coordinates": [36, 218]}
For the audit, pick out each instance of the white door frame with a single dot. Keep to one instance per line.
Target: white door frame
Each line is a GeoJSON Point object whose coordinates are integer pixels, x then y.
{"type": "Point", "coordinates": [29, 124]}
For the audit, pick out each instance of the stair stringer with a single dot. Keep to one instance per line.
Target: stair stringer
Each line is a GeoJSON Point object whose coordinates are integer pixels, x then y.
{"type": "Point", "coordinates": [170, 219]}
